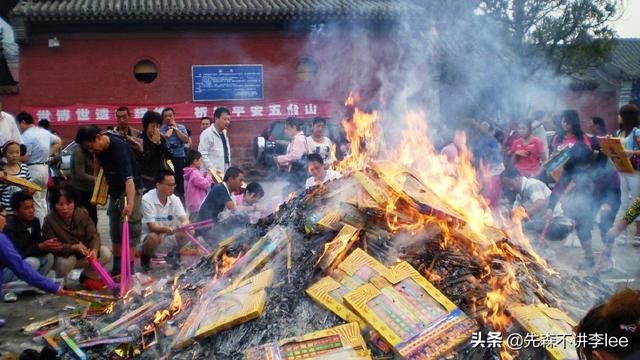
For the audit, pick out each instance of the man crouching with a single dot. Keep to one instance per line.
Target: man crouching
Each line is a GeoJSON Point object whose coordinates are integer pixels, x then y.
{"type": "Point", "coordinates": [162, 213]}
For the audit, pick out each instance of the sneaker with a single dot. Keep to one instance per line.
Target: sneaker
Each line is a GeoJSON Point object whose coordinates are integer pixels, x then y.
{"type": "Point", "coordinates": [145, 261]}
{"type": "Point", "coordinates": [10, 297]}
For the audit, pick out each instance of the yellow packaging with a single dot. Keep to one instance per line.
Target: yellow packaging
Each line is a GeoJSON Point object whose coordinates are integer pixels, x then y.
{"type": "Point", "coordinates": [100, 190]}
{"type": "Point", "coordinates": [410, 314]}
{"type": "Point", "coordinates": [335, 249]}
{"type": "Point", "coordinates": [542, 319]}
{"type": "Point", "coordinates": [340, 342]}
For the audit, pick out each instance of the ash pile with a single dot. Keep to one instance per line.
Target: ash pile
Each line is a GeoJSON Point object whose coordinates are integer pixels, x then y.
{"type": "Point", "coordinates": [373, 265]}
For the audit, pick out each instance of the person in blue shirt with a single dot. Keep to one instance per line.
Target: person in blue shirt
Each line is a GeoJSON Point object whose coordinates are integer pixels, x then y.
{"type": "Point", "coordinates": [177, 137]}
{"type": "Point", "coordinates": [11, 259]}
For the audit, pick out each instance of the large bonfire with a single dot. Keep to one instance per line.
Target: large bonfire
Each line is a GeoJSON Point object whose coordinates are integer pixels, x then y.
{"type": "Point", "coordinates": [394, 206]}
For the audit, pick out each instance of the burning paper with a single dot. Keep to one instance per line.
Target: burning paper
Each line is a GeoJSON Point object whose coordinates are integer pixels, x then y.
{"type": "Point", "coordinates": [229, 308]}
{"type": "Point", "coordinates": [334, 250]}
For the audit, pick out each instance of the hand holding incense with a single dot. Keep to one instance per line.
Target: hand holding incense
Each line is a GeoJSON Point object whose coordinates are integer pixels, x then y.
{"type": "Point", "coordinates": [199, 244]}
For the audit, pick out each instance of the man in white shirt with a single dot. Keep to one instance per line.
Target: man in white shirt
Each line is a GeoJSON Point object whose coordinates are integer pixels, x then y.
{"type": "Point", "coordinates": [41, 144]}
{"type": "Point", "coordinates": [214, 143]}
{"type": "Point", "coordinates": [318, 143]}
{"type": "Point", "coordinates": [533, 195]}
{"type": "Point", "coordinates": [8, 128]}
{"type": "Point", "coordinates": [162, 213]}
{"type": "Point", "coordinates": [319, 174]}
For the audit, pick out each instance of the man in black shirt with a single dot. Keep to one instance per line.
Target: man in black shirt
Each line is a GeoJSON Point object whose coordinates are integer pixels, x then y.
{"type": "Point", "coordinates": [23, 228]}
{"type": "Point", "coordinates": [219, 197]}
{"type": "Point", "coordinates": [123, 176]}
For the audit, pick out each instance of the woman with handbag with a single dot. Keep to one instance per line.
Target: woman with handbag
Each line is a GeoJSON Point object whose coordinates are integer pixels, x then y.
{"type": "Point", "coordinates": [154, 150]}
{"type": "Point", "coordinates": [629, 134]}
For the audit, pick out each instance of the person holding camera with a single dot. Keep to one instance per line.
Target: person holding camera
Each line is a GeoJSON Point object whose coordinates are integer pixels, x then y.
{"type": "Point", "coordinates": [176, 136]}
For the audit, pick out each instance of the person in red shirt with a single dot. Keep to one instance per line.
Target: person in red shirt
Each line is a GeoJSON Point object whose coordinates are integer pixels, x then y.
{"type": "Point", "coordinates": [528, 151]}
{"type": "Point", "coordinates": [570, 133]}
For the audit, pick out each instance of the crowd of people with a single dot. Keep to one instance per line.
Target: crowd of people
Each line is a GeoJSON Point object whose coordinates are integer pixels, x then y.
{"type": "Point", "coordinates": [562, 182]}
{"type": "Point", "coordinates": [157, 181]}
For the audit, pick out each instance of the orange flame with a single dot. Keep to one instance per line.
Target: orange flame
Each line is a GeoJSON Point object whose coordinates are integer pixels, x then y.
{"type": "Point", "coordinates": [456, 183]}
{"type": "Point", "coordinates": [227, 262]}
{"type": "Point", "coordinates": [174, 308]}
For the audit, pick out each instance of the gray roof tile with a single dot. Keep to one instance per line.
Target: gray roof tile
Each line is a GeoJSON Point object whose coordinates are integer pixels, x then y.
{"type": "Point", "coordinates": [133, 11]}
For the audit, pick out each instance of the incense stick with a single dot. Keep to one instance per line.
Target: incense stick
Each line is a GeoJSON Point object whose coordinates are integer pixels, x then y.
{"type": "Point", "coordinates": [104, 275]}
{"type": "Point", "coordinates": [199, 244]}
{"type": "Point", "coordinates": [196, 225]}
{"type": "Point", "coordinates": [125, 259]}
{"type": "Point", "coordinates": [73, 346]}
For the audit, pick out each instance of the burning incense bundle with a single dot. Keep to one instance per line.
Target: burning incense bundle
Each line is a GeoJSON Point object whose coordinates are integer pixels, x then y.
{"type": "Point", "coordinates": [73, 346]}
{"type": "Point", "coordinates": [102, 272]}
{"type": "Point", "coordinates": [104, 341]}
{"type": "Point", "coordinates": [100, 190]}
{"type": "Point", "coordinates": [26, 184]}
{"type": "Point", "coordinates": [126, 318]}
{"type": "Point", "coordinates": [93, 297]}
{"type": "Point", "coordinates": [199, 244]}
{"type": "Point", "coordinates": [48, 322]}
{"type": "Point", "coordinates": [53, 344]}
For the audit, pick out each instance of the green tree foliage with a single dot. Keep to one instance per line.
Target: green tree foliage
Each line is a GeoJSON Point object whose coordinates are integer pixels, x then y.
{"type": "Point", "coordinates": [574, 34]}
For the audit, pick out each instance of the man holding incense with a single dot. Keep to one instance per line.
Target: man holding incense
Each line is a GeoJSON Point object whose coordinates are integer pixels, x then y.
{"type": "Point", "coordinates": [162, 214]}
{"type": "Point", "coordinates": [122, 173]}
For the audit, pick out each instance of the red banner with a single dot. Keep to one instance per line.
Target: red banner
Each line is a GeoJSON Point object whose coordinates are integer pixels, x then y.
{"type": "Point", "coordinates": [187, 111]}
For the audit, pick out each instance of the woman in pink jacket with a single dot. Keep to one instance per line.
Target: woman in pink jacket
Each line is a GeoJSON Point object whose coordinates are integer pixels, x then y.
{"type": "Point", "coordinates": [196, 186]}
{"type": "Point", "coordinates": [292, 162]}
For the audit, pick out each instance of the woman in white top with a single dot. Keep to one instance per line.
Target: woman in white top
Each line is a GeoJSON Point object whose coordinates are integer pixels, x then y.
{"type": "Point", "coordinates": [318, 143]}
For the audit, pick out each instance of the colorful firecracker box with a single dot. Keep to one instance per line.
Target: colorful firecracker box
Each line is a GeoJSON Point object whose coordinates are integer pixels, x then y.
{"type": "Point", "coordinates": [555, 165]}
{"type": "Point", "coordinates": [340, 342]}
{"type": "Point", "coordinates": [356, 270]}
{"type": "Point", "coordinates": [613, 148]}
{"type": "Point", "coordinates": [230, 307]}
{"type": "Point", "coordinates": [410, 314]}
{"type": "Point", "coordinates": [334, 250]}
{"type": "Point", "coordinates": [333, 219]}
{"type": "Point", "coordinates": [544, 320]}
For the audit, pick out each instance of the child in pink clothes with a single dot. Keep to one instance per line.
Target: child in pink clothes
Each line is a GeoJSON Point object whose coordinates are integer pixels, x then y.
{"type": "Point", "coordinates": [196, 186]}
